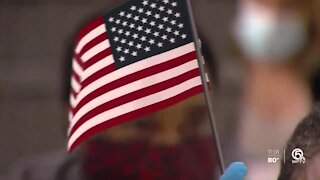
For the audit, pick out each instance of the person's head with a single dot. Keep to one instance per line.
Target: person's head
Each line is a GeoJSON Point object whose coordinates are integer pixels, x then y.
{"type": "Point", "coordinates": [306, 137]}
{"type": "Point", "coordinates": [277, 30]}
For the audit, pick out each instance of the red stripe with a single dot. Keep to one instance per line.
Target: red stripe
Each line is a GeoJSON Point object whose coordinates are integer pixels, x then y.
{"type": "Point", "coordinates": [136, 95]}
{"type": "Point", "coordinates": [93, 42]}
{"type": "Point", "coordinates": [134, 114]}
{"type": "Point", "coordinates": [97, 57]}
{"type": "Point", "coordinates": [76, 77]}
{"type": "Point", "coordinates": [89, 27]}
{"type": "Point", "coordinates": [132, 77]}
{"type": "Point", "coordinates": [98, 74]}
{"type": "Point", "coordinates": [73, 92]}
{"type": "Point", "coordinates": [79, 61]}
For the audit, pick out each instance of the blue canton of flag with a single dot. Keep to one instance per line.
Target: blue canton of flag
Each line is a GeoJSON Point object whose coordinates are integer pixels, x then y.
{"type": "Point", "coordinates": [141, 29]}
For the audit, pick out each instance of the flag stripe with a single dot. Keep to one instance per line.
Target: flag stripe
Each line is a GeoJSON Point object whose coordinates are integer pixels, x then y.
{"type": "Point", "coordinates": [91, 35]}
{"type": "Point", "coordinates": [106, 103]}
{"type": "Point", "coordinates": [97, 99]}
{"type": "Point", "coordinates": [136, 105]}
{"type": "Point", "coordinates": [93, 43]}
{"type": "Point", "coordinates": [76, 68]}
{"type": "Point", "coordinates": [138, 66]}
{"type": "Point", "coordinates": [107, 61]}
{"type": "Point", "coordinates": [98, 57]}
{"type": "Point", "coordinates": [75, 85]}
{"type": "Point", "coordinates": [76, 77]}
{"type": "Point", "coordinates": [160, 68]}
{"type": "Point", "coordinates": [95, 50]}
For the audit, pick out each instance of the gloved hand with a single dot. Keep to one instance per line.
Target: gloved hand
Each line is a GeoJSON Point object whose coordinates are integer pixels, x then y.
{"type": "Point", "coordinates": [236, 171]}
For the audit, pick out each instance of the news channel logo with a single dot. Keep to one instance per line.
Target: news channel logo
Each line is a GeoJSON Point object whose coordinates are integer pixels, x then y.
{"type": "Point", "coordinates": [274, 156]}
{"type": "Point", "coordinates": [297, 156]}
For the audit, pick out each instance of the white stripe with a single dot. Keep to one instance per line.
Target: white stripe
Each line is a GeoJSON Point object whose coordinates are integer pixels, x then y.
{"type": "Point", "coordinates": [76, 67]}
{"type": "Point", "coordinates": [134, 105]}
{"type": "Point", "coordinates": [95, 50]}
{"type": "Point", "coordinates": [132, 87]}
{"type": "Point", "coordinates": [90, 36]}
{"type": "Point", "coordinates": [132, 68]}
{"type": "Point", "coordinates": [72, 100]}
{"type": "Point", "coordinates": [70, 116]}
{"type": "Point", "coordinates": [75, 85]}
{"type": "Point", "coordinates": [97, 66]}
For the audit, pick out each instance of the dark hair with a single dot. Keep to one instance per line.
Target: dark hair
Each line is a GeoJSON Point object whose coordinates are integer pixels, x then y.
{"type": "Point", "coordinates": [306, 136]}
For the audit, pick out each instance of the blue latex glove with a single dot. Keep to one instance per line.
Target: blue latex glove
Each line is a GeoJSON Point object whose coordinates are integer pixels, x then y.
{"type": "Point", "coordinates": [236, 171]}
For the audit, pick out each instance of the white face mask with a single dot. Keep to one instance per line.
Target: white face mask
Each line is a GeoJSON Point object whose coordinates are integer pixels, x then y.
{"type": "Point", "coordinates": [265, 37]}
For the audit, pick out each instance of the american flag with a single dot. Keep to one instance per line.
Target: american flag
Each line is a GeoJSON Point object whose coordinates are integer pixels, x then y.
{"type": "Point", "coordinates": [136, 59]}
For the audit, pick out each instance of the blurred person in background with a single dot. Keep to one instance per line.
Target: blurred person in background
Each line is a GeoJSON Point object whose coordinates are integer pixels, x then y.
{"type": "Point", "coordinates": [174, 143]}
{"type": "Point", "coordinates": [279, 40]}
{"type": "Point", "coordinates": [306, 136]}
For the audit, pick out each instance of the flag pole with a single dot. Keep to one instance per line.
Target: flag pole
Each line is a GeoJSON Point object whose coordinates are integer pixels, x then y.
{"type": "Point", "coordinates": [205, 87]}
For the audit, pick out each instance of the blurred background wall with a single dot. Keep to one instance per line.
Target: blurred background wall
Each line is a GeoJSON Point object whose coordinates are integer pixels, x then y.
{"type": "Point", "coordinates": [35, 36]}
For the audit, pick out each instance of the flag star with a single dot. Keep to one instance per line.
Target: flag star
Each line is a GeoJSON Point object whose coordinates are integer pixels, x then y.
{"type": "Point", "coordinates": [113, 29]}
{"type": "Point", "coordinates": [127, 33]}
{"type": "Point", "coordinates": [160, 44]}
{"type": "Point", "coordinates": [172, 40]}
{"type": "Point", "coordinates": [134, 53]}
{"type": "Point", "coordinates": [118, 21]}
{"type": "Point", "coordinates": [161, 8]}
{"type": "Point", "coordinates": [169, 29]}
{"type": "Point", "coordinates": [140, 10]}
{"type": "Point", "coordinates": [131, 26]}
{"type": "Point", "coordinates": [129, 16]}
{"type": "Point", "coordinates": [147, 49]}
{"type": "Point", "coordinates": [111, 19]}
{"type": "Point", "coordinates": [165, 19]}
{"type": "Point", "coordinates": [124, 23]}
{"type": "Point", "coordinates": [121, 13]}
{"type": "Point", "coordinates": [153, 5]}
{"type": "Point", "coordinates": [120, 31]}
{"type": "Point", "coordinates": [144, 21]}
{"type": "Point", "coordinates": [161, 26]}
{"type": "Point", "coordinates": [135, 36]}
{"type": "Point", "coordinates": [116, 39]}
{"type": "Point", "coordinates": [126, 51]}
{"type": "Point", "coordinates": [143, 38]}
{"type": "Point", "coordinates": [122, 59]}
{"type": "Point", "coordinates": [157, 16]}
{"type": "Point", "coordinates": [180, 25]}
{"type": "Point", "coordinates": [139, 46]}
{"type": "Point", "coordinates": [136, 18]}
{"type": "Point", "coordinates": [183, 36]}
{"type": "Point", "coordinates": [174, 4]}
{"type": "Point", "coordinates": [139, 28]}
{"type": "Point", "coordinates": [133, 8]}
{"type": "Point", "coordinates": [164, 37]}
{"type": "Point", "coordinates": [151, 41]}
{"type": "Point", "coordinates": [145, 3]}
{"type": "Point", "coordinates": [123, 41]}
{"type": "Point", "coordinates": [166, 1]}
{"type": "Point", "coordinates": [169, 11]}
{"type": "Point", "coordinates": [156, 34]}
{"type": "Point", "coordinates": [152, 23]}
{"type": "Point", "coordinates": [176, 33]}
{"type": "Point", "coordinates": [148, 31]}
{"type": "Point", "coordinates": [148, 13]}
{"type": "Point", "coordinates": [119, 49]}
{"type": "Point", "coordinates": [130, 43]}
{"type": "Point", "coordinates": [177, 15]}
{"type": "Point", "coordinates": [173, 22]}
